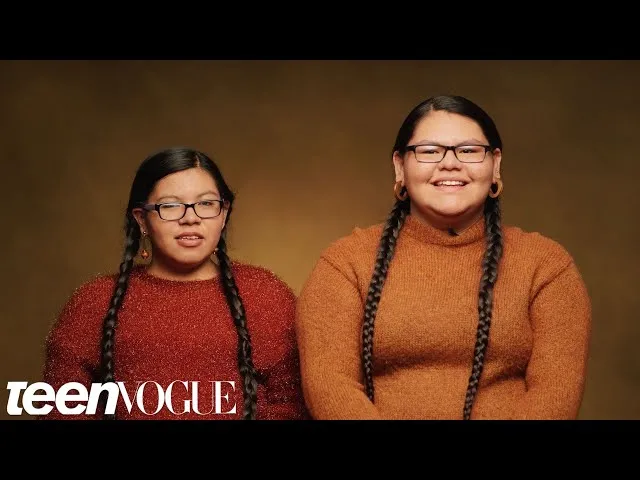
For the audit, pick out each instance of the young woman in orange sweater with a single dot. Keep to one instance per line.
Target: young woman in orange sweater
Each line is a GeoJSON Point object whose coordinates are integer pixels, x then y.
{"type": "Point", "coordinates": [442, 312]}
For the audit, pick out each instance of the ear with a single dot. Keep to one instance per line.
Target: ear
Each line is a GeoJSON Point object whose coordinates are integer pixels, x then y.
{"type": "Point", "coordinates": [398, 166]}
{"type": "Point", "coordinates": [138, 214]}
{"type": "Point", "coordinates": [497, 160]}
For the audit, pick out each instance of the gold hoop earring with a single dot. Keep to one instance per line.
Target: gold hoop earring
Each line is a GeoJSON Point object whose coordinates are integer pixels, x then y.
{"type": "Point", "coordinates": [499, 188]}
{"type": "Point", "coordinates": [144, 254]}
{"type": "Point", "coordinates": [398, 189]}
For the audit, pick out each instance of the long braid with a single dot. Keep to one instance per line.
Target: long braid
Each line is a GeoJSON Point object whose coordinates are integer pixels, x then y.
{"type": "Point", "coordinates": [385, 254]}
{"type": "Point", "coordinates": [132, 243]}
{"type": "Point", "coordinates": [245, 362]}
{"type": "Point", "coordinates": [490, 263]}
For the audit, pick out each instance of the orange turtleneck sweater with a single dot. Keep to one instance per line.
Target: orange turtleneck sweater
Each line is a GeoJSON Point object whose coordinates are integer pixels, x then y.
{"type": "Point", "coordinates": [425, 328]}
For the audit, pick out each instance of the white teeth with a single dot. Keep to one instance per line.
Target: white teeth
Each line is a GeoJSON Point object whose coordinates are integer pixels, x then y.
{"type": "Point", "coordinates": [189, 238]}
{"type": "Point", "coordinates": [450, 183]}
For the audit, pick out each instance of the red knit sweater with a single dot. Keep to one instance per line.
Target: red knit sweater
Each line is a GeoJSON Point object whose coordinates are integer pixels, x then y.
{"type": "Point", "coordinates": [173, 331]}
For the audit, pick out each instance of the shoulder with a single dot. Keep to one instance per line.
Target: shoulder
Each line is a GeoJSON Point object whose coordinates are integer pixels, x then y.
{"type": "Point", "coordinates": [257, 278]}
{"type": "Point", "coordinates": [350, 257]}
{"type": "Point", "coordinates": [540, 254]}
{"type": "Point", "coordinates": [535, 245]}
{"type": "Point", "coordinates": [87, 304]}
{"type": "Point", "coordinates": [360, 243]}
{"type": "Point", "coordinates": [96, 289]}
{"type": "Point", "coordinates": [268, 300]}
{"type": "Point", "coordinates": [550, 266]}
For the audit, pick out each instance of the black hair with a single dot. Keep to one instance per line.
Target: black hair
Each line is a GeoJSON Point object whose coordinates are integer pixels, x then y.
{"type": "Point", "coordinates": [394, 223]}
{"type": "Point", "coordinates": [152, 169]}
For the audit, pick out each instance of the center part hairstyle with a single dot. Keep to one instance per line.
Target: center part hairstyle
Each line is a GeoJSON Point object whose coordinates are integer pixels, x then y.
{"type": "Point", "coordinates": [153, 169]}
{"type": "Point", "coordinates": [493, 253]}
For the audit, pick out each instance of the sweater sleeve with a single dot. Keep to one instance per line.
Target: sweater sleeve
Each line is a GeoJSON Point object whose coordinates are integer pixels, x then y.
{"type": "Point", "coordinates": [271, 306]}
{"type": "Point", "coordinates": [560, 315]}
{"type": "Point", "coordinates": [284, 398]}
{"type": "Point", "coordinates": [72, 348]}
{"type": "Point", "coordinates": [329, 328]}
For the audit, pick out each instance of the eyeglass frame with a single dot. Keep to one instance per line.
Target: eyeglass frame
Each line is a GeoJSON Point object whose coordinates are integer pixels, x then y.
{"type": "Point", "coordinates": [150, 207]}
{"type": "Point", "coordinates": [412, 148]}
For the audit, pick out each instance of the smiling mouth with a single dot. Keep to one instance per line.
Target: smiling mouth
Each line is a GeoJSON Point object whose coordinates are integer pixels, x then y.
{"type": "Point", "coordinates": [450, 183]}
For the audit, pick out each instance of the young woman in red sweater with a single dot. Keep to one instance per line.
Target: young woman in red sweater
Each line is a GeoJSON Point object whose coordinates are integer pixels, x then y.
{"type": "Point", "coordinates": [191, 334]}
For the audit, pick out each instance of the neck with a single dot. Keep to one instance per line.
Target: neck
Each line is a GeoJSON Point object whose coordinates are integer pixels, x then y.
{"type": "Point", "coordinates": [168, 270]}
{"type": "Point", "coordinates": [425, 232]}
{"type": "Point", "coordinates": [453, 225]}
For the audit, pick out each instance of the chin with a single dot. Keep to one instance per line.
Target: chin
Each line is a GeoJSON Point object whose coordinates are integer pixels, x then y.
{"type": "Point", "coordinates": [189, 261]}
{"type": "Point", "coordinates": [449, 210]}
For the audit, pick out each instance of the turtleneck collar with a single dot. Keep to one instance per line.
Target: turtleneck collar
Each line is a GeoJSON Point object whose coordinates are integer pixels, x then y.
{"type": "Point", "coordinates": [427, 233]}
{"type": "Point", "coordinates": [140, 272]}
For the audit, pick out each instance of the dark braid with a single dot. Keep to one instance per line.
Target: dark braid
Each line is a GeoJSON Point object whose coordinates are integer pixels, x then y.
{"type": "Point", "coordinates": [490, 264]}
{"type": "Point", "coordinates": [386, 250]}
{"type": "Point", "coordinates": [245, 362]}
{"type": "Point", "coordinates": [460, 106]}
{"type": "Point", "coordinates": [154, 168]}
{"type": "Point", "coordinates": [132, 243]}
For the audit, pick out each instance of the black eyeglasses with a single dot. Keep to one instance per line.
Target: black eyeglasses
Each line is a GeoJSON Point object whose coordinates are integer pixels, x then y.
{"type": "Point", "coordinates": [175, 210]}
{"type": "Point", "coordinates": [436, 153]}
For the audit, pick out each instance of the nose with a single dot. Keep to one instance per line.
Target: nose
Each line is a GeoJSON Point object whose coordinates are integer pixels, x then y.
{"type": "Point", "coordinates": [450, 162]}
{"type": "Point", "coordinates": [190, 217]}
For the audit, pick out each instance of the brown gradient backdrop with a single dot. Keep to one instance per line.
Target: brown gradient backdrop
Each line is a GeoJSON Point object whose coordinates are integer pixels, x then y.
{"type": "Point", "coordinates": [305, 145]}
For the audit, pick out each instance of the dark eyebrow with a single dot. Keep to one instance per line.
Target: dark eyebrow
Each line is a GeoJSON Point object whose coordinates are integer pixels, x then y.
{"type": "Point", "coordinates": [209, 192]}
{"type": "Point", "coordinates": [175, 198]}
{"type": "Point", "coordinates": [167, 197]}
{"type": "Point", "coordinates": [469, 141]}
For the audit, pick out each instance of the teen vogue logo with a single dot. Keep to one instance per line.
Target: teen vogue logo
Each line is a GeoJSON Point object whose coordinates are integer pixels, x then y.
{"type": "Point", "coordinates": [146, 393]}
